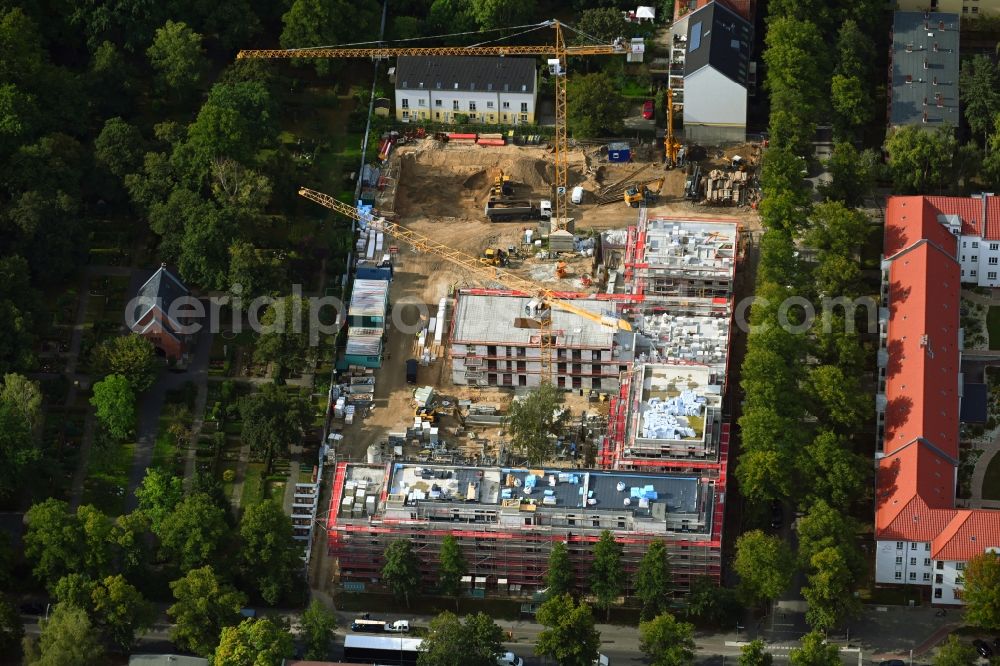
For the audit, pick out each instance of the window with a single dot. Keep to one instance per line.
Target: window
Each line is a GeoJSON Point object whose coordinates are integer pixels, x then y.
{"type": "Point", "coordinates": [524, 107]}
{"type": "Point", "coordinates": [454, 105]}
{"type": "Point", "coordinates": [959, 580]}
{"type": "Point", "coordinates": [899, 560]}
{"type": "Point", "coordinates": [472, 106]}
{"type": "Point", "coordinates": [938, 578]}
{"type": "Point", "coordinates": [524, 117]}
{"type": "Point", "coordinates": [421, 102]}
{"type": "Point", "coordinates": [972, 272]}
{"type": "Point", "coordinates": [959, 565]}
{"type": "Point", "coordinates": [927, 577]}
{"type": "Point", "coordinates": [913, 546]}
{"type": "Point", "coordinates": [963, 257]}
{"type": "Point", "coordinates": [694, 41]}
{"type": "Point", "coordinates": [975, 244]}
{"type": "Point", "coordinates": [406, 114]}
{"type": "Point", "coordinates": [437, 103]}
{"type": "Point", "coordinates": [994, 261]}
{"type": "Point", "coordinates": [899, 545]}
{"type": "Point", "coordinates": [913, 561]}
{"type": "Point", "coordinates": [927, 561]}
{"type": "Point", "coordinates": [913, 575]}
{"type": "Point", "coordinates": [963, 244]}
{"type": "Point", "coordinates": [406, 103]}
{"type": "Point", "coordinates": [899, 575]}
{"type": "Point", "coordinates": [994, 246]}
{"type": "Point", "coordinates": [937, 592]}
{"type": "Point", "coordinates": [489, 105]}
{"type": "Point", "coordinates": [940, 564]}
{"type": "Point", "coordinates": [975, 257]}
{"type": "Point", "coordinates": [992, 275]}
{"type": "Point", "coordinates": [506, 105]}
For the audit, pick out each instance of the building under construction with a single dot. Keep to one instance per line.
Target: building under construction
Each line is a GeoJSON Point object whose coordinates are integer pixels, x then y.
{"type": "Point", "coordinates": [495, 341]}
{"type": "Point", "coordinates": [506, 521]}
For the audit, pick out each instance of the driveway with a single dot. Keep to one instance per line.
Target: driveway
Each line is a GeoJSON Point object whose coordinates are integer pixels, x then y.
{"type": "Point", "coordinates": [635, 121]}
{"type": "Point", "coordinates": [151, 405]}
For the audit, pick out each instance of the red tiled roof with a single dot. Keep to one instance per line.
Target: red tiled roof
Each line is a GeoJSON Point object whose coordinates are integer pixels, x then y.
{"type": "Point", "coordinates": [970, 209]}
{"type": "Point", "coordinates": [910, 219]}
{"type": "Point", "coordinates": [969, 533]}
{"type": "Point", "coordinates": [922, 373]}
{"type": "Point", "coordinates": [915, 493]}
{"type": "Point", "coordinates": [744, 8]}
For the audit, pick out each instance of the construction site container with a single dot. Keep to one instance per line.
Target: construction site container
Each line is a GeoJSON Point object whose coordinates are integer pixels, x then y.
{"type": "Point", "coordinates": [619, 152]}
{"type": "Point", "coordinates": [369, 301]}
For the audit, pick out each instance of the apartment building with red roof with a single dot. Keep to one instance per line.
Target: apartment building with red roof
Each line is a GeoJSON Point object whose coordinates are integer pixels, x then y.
{"type": "Point", "coordinates": [921, 537]}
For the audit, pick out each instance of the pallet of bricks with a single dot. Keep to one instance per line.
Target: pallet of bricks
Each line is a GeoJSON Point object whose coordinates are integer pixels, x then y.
{"type": "Point", "coordinates": [725, 187]}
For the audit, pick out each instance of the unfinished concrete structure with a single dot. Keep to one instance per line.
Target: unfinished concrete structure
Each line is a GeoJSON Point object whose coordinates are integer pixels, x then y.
{"type": "Point", "coordinates": [506, 521]}
{"type": "Point", "coordinates": [494, 343]}
{"type": "Point", "coordinates": [666, 257]}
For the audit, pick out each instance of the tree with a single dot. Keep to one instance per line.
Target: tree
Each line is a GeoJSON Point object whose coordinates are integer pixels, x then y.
{"type": "Point", "coordinates": [400, 570]}
{"type": "Point", "coordinates": [956, 652]}
{"type": "Point", "coordinates": [118, 147]}
{"type": "Point", "coordinates": [653, 581]}
{"type": "Point", "coordinates": [535, 421]}
{"type": "Point", "coordinates": [920, 160]}
{"type": "Point", "coordinates": [129, 539]}
{"type": "Point", "coordinates": [159, 494]}
{"type": "Point", "coordinates": [837, 397]}
{"type": "Point", "coordinates": [194, 533]}
{"type": "Point", "coordinates": [311, 22]}
{"type": "Point", "coordinates": [755, 654]}
{"type": "Point", "coordinates": [666, 641]}
{"type": "Point", "coordinates": [204, 606]}
{"type": "Point", "coordinates": [830, 593]}
{"type": "Point", "coordinates": [852, 173]}
{"type": "Point", "coordinates": [258, 272]}
{"type": "Point", "coordinates": [18, 446]}
{"type": "Point", "coordinates": [68, 639]}
{"type": "Point", "coordinates": [765, 565]}
{"type": "Point", "coordinates": [273, 419]}
{"type": "Point", "coordinates": [569, 636]}
{"type": "Point", "coordinates": [560, 579]}
{"type": "Point", "coordinates": [476, 642]}
{"type": "Point", "coordinates": [257, 642]}
{"type": "Point", "coordinates": [605, 23]}
{"type": "Point", "coordinates": [269, 556]}
{"type": "Point", "coordinates": [796, 76]}
{"type": "Point", "coordinates": [492, 14]}
{"type": "Point", "coordinates": [285, 335]}
{"type": "Point", "coordinates": [596, 106]}
{"type": "Point", "coordinates": [824, 526]}
{"type": "Point", "coordinates": [851, 101]}
{"type": "Point", "coordinates": [96, 542]}
{"type": "Point", "coordinates": [114, 399]}
{"type": "Point", "coordinates": [708, 601]}
{"type": "Point", "coordinates": [606, 573]}
{"type": "Point", "coordinates": [24, 396]}
{"type": "Point", "coordinates": [318, 624]}
{"type": "Point", "coordinates": [815, 652]}
{"type": "Point", "coordinates": [11, 627]}
{"type": "Point", "coordinates": [979, 92]}
{"type": "Point", "coordinates": [130, 356]}
{"type": "Point", "coordinates": [982, 591]}
{"type": "Point", "coordinates": [176, 54]}
{"type": "Point", "coordinates": [991, 162]}
{"type": "Point", "coordinates": [452, 568]}
{"type": "Point", "coordinates": [121, 611]}
{"type": "Point", "coordinates": [53, 540]}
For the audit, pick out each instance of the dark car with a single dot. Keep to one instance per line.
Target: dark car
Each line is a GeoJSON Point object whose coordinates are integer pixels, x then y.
{"type": "Point", "coordinates": [777, 515]}
{"type": "Point", "coordinates": [892, 662]}
{"type": "Point", "coordinates": [411, 371]}
{"type": "Point", "coordinates": [982, 648]}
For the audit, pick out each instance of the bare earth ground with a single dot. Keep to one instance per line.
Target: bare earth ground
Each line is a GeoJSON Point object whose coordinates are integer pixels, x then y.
{"type": "Point", "coordinates": [441, 193]}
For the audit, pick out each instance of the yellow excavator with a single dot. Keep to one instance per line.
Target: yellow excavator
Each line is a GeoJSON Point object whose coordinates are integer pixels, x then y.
{"type": "Point", "coordinates": [495, 257]}
{"type": "Point", "coordinates": [643, 193]}
{"type": "Point", "coordinates": [502, 186]}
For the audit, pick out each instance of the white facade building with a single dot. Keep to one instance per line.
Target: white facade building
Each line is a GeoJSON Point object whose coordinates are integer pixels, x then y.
{"type": "Point", "coordinates": [496, 91]}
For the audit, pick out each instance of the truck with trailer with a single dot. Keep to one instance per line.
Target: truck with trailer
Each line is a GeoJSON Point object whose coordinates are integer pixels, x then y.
{"type": "Point", "coordinates": [500, 211]}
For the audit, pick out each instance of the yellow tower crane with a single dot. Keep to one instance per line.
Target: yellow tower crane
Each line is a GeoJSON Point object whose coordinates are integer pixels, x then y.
{"type": "Point", "coordinates": [540, 295]}
{"type": "Point", "coordinates": [556, 64]}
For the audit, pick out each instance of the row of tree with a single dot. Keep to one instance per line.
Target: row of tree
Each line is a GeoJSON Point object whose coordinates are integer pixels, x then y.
{"type": "Point", "coordinates": [804, 397]}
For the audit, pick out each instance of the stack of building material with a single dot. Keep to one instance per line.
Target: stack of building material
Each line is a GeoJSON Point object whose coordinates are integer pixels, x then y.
{"type": "Point", "coordinates": [455, 137]}
{"type": "Point", "coordinates": [491, 140]}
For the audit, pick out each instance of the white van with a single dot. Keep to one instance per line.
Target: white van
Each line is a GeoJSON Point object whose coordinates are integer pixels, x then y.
{"type": "Point", "coordinates": [577, 196]}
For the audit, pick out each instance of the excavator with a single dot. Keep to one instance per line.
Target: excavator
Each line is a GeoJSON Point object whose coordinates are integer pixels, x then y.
{"type": "Point", "coordinates": [643, 193]}
{"type": "Point", "coordinates": [495, 257]}
{"type": "Point", "coordinates": [540, 295]}
{"type": "Point", "coordinates": [502, 186]}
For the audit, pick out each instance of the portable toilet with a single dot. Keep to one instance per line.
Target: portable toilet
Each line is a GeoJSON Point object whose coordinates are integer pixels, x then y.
{"type": "Point", "coordinates": [619, 152]}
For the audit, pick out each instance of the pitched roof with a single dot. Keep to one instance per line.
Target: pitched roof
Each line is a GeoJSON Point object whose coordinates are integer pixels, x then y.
{"type": "Point", "coordinates": [744, 8]}
{"type": "Point", "coordinates": [922, 396]}
{"type": "Point", "coordinates": [718, 37]}
{"type": "Point", "coordinates": [924, 71]}
{"type": "Point", "coordinates": [161, 289]}
{"type": "Point", "coordinates": [910, 219]}
{"type": "Point", "coordinates": [980, 214]}
{"type": "Point", "coordinates": [969, 533]}
{"type": "Point", "coordinates": [467, 73]}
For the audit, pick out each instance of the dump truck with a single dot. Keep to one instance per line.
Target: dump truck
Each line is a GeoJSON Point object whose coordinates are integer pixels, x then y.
{"type": "Point", "coordinates": [499, 211]}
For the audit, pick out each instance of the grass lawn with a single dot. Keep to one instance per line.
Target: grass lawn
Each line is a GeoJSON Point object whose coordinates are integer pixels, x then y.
{"type": "Point", "coordinates": [993, 326]}
{"type": "Point", "coordinates": [107, 476]}
{"type": "Point", "coordinates": [991, 482]}
{"type": "Point", "coordinates": [253, 485]}
{"type": "Point", "coordinates": [165, 451]}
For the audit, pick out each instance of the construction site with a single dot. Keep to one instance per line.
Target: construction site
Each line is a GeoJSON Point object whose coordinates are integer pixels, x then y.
{"type": "Point", "coordinates": [488, 265]}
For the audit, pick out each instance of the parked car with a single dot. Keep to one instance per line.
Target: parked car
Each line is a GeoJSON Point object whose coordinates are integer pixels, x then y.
{"type": "Point", "coordinates": [648, 110]}
{"type": "Point", "coordinates": [982, 648]}
{"type": "Point", "coordinates": [510, 659]}
{"type": "Point", "coordinates": [892, 662]}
